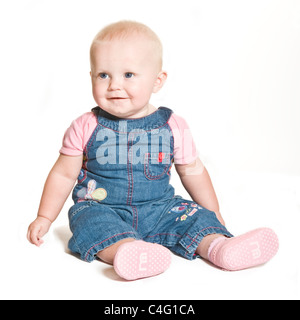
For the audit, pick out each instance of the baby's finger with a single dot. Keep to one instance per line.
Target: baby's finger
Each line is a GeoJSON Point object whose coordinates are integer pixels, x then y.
{"type": "Point", "coordinates": [29, 235]}
{"type": "Point", "coordinates": [40, 241]}
{"type": "Point", "coordinates": [33, 237]}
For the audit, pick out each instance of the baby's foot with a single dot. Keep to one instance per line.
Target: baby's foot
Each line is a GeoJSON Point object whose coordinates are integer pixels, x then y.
{"type": "Point", "coordinates": [248, 250]}
{"type": "Point", "coordinates": [139, 259]}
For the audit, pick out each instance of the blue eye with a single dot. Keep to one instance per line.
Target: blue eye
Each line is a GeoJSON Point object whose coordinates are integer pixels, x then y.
{"type": "Point", "coordinates": [129, 75]}
{"type": "Point", "coordinates": [103, 75]}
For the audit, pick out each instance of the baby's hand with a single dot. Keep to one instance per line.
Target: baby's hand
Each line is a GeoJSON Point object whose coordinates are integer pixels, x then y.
{"type": "Point", "coordinates": [38, 228]}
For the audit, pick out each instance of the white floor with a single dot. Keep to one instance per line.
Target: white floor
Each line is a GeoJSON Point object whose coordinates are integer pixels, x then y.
{"type": "Point", "coordinates": [248, 201]}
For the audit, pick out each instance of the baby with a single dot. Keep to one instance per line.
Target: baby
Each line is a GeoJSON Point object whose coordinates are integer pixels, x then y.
{"type": "Point", "coordinates": [125, 212]}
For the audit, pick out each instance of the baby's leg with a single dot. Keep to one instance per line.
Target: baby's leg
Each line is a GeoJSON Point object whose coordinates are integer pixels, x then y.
{"type": "Point", "coordinates": [205, 244]}
{"type": "Point", "coordinates": [135, 259]}
{"type": "Point", "coordinates": [107, 255]}
{"type": "Point", "coordinates": [248, 250]}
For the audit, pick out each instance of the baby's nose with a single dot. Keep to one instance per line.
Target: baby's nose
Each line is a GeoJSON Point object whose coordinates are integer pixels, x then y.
{"type": "Point", "coordinates": [115, 84]}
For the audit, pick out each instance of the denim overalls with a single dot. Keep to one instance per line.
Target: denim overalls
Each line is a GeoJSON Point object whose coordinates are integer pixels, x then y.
{"type": "Point", "coordinates": [123, 190]}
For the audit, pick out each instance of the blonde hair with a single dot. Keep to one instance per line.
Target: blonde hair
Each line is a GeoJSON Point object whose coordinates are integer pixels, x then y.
{"type": "Point", "coordinates": [125, 29]}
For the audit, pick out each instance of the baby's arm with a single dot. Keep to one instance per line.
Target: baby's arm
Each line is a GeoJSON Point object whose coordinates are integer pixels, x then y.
{"type": "Point", "coordinates": [197, 183]}
{"type": "Point", "coordinates": [58, 186]}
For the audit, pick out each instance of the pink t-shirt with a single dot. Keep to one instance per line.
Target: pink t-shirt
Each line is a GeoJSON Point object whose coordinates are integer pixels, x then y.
{"type": "Point", "coordinates": [81, 129]}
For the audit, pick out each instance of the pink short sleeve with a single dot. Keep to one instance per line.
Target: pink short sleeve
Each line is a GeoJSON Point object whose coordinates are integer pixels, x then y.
{"type": "Point", "coordinates": [185, 151]}
{"type": "Point", "coordinates": [78, 134]}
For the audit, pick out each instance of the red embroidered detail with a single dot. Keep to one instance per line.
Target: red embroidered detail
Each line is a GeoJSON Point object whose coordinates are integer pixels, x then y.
{"type": "Point", "coordinates": [161, 157]}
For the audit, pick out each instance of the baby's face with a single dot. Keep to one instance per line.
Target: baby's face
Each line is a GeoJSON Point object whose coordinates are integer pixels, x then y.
{"type": "Point", "coordinates": [124, 75]}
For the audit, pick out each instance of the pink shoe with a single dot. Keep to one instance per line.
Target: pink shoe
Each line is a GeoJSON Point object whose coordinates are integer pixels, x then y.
{"type": "Point", "coordinates": [248, 250]}
{"type": "Point", "coordinates": [139, 259]}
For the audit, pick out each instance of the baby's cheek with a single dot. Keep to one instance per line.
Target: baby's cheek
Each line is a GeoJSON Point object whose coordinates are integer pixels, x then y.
{"type": "Point", "coordinates": [98, 90]}
{"type": "Point", "coordinates": [140, 96]}
{"type": "Point", "coordinates": [99, 98]}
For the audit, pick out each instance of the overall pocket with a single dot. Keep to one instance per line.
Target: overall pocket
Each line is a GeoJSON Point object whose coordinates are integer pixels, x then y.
{"type": "Point", "coordinates": [156, 165]}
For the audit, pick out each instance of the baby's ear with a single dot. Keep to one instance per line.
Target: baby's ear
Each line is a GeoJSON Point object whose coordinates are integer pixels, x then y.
{"type": "Point", "coordinates": [160, 81]}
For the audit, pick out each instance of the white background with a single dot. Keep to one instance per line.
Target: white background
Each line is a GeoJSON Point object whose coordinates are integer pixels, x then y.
{"type": "Point", "coordinates": [234, 74]}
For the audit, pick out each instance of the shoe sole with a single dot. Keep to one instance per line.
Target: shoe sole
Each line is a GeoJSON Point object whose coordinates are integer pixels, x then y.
{"type": "Point", "coordinates": [139, 259]}
{"type": "Point", "coordinates": [249, 250]}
